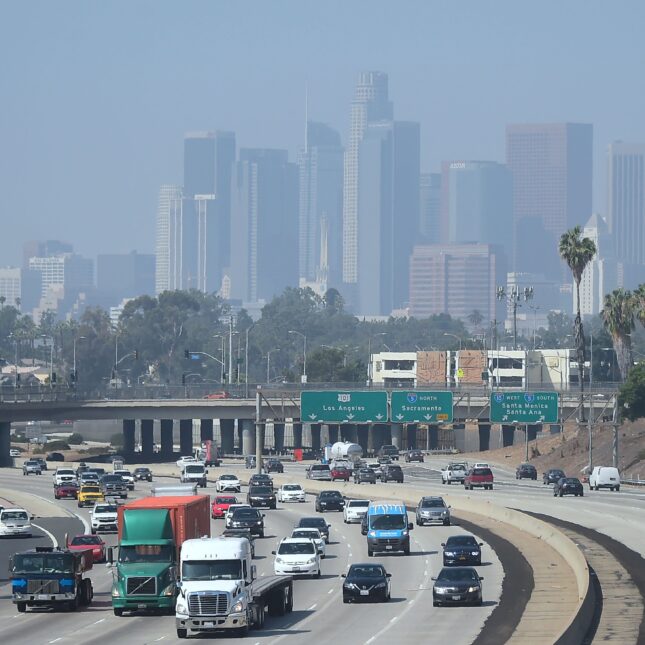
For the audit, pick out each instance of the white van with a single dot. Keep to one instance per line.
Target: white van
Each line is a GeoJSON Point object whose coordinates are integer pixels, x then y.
{"type": "Point", "coordinates": [604, 477]}
{"type": "Point", "coordinates": [15, 521]}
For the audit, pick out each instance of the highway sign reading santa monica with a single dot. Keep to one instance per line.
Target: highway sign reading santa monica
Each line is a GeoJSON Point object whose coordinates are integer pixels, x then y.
{"type": "Point", "coordinates": [421, 407]}
{"type": "Point", "coordinates": [332, 406]}
{"type": "Point", "coordinates": [524, 407]}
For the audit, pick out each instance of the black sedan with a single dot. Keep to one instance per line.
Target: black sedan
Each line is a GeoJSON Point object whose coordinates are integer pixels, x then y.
{"type": "Point", "coordinates": [366, 582]}
{"type": "Point", "coordinates": [553, 475]}
{"type": "Point", "coordinates": [329, 500]}
{"type": "Point", "coordinates": [526, 471]}
{"type": "Point", "coordinates": [273, 466]}
{"type": "Point", "coordinates": [462, 549]}
{"type": "Point", "coordinates": [568, 486]}
{"type": "Point", "coordinates": [461, 585]}
{"type": "Point", "coordinates": [315, 523]}
{"type": "Point", "coordinates": [413, 455]}
{"type": "Point", "coordinates": [261, 496]}
{"type": "Point", "coordinates": [248, 518]}
{"type": "Point", "coordinates": [364, 476]}
{"type": "Point", "coordinates": [260, 480]}
{"type": "Point", "coordinates": [141, 474]}
{"type": "Point", "coordinates": [392, 473]}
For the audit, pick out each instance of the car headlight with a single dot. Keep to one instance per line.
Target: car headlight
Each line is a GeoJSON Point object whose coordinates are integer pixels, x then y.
{"type": "Point", "coordinates": [380, 585]}
{"type": "Point", "coordinates": [405, 532]}
{"type": "Point", "coordinates": [237, 607]}
{"type": "Point", "coordinates": [450, 554]}
{"type": "Point", "coordinates": [115, 592]}
{"type": "Point", "coordinates": [181, 607]}
{"type": "Point", "coordinates": [372, 533]}
{"type": "Point", "coordinates": [440, 590]}
{"type": "Point", "coordinates": [259, 522]}
{"type": "Point", "coordinates": [169, 590]}
{"type": "Point", "coordinates": [279, 560]}
{"type": "Point", "coordinates": [311, 560]}
{"type": "Point", "coordinates": [474, 553]}
{"type": "Point", "coordinates": [472, 589]}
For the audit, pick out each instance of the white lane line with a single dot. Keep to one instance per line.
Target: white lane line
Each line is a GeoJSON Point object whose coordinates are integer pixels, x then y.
{"type": "Point", "coordinates": [330, 591]}
{"type": "Point", "coordinates": [312, 607]}
{"type": "Point", "coordinates": [159, 639]}
{"type": "Point", "coordinates": [370, 640]}
{"type": "Point", "coordinates": [393, 619]}
{"type": "Point", "coordinates": [86, 524]}
{"type": "Point", "coordinates": [98, 621]}
{"type": "Point", "coordinates": [57, 639]}
{"type": "Point", "coordinates": [49, 535]}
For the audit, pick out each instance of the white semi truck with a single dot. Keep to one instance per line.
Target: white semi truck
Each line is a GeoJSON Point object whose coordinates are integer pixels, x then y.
{"type": "Point", "coordinates": [218, 588]}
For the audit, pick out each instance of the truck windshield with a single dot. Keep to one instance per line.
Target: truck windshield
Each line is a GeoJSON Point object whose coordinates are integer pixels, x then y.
{"type": "Point", "coordinates": [43, 563]}
{"type": "Point", "coordinates": [212, 570]}
{"type": "Point", "coordinates": [388, 522]}
{"type": "Point", "coordinates": [146, 553]}
{"type": "Point", "coordinates": [194, 469]}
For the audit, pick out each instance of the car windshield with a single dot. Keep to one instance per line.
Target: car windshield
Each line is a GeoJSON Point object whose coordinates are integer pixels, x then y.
{"type": "Point", "coordinates": [313, 522]}
{"type": "Point", "coordinates": [85, 540]}
{"type": "Point", "coordinates": [246, 514]}
{"type": "Point", "coordinates": [296, 548]}
{"type": "Point", "coordinates": [123, 473]}
{"type": "Point", "coordinates": [457, 575]}
{"type": "Point", "coordinates": [432, 503]}
{"type": "Point", "coordinates": [194, 468]}
{"type": "Point", "coordinates": [13, 515]}
{"type": "Point", "coordinates": [388, 521]}
{"type": "Point", "coordinates": [292, 487]}
{"type": "Point", "coordinates": [461, 540]}
{"type": "Point", "coordinates": [260, 490]}
{"type": "Point", "coordinates": [112, 479]}
{"type": "Point", "coordinates": [88, 476]}
{"type": "Point", "coordinates": [319, 467]}
{"type": "Point", "coordinates": [43, 563]}
{"type": "Point", "coordinates": [366, 471]}
{"type": "Point", "coordinates": [228, 478]}
{"type": "Point", "coordinates": [571, 480]}
{"type": "Point", "coordinates": [362, 503]}
{"type": "Point", "coordinates": [212, 570]}
{"type": "Point", "coordinates": [312, 534]}
{"type": "Point", "coordinates": [105, 508]}
{"type": "Point", "coordinates": [482, 472]}
{"type": "Point", "coordinates": [142, 471]}
{"type": "Point", "coordinates": [331, 494]}
{"type": "Point", "coordinates": [365, 571]}
{"type": "Point", "coordinates": [66, 472]}
{"type": "Point", "coordinates": [225, 500]}
{"type": "Point", "coordinates": [556, 473]}
{"type": "Point", "coordinates": [146, 553]}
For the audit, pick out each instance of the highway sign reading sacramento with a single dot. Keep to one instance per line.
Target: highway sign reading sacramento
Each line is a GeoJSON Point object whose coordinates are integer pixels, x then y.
{"type": "Point", "coordinates": [524, 407]}
{"type": "Point", "coordinates": [420, 407]}
{"type": "Point", "coordinates": [332, 406]}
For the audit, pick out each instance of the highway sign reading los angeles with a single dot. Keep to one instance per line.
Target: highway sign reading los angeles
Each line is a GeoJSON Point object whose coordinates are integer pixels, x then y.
{"type": "Point", "coordinates": [524, 407]}
{"type": "Point", "coordinates": [343, 407]}
{"type": "Point", "coordinates": [421, 407]}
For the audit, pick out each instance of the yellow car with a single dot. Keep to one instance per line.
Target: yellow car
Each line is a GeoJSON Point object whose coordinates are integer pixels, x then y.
{"type": "Point", "coordinates": [89, 494]}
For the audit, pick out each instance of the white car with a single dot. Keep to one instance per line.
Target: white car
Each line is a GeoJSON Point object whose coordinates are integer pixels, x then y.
{"type": "Point", "coordinates": [229, 513]}
{"type": "Point", "coordinates": [296, 557]}
{"type": "Point", "coordinates": [104, 518]}
{"type": "Point", "coordinates": [127, 477]}
{"type": "Point", "coordinates": [15, 521]}
{"type": "Point", "coordinates": [228, 484]}
{"type": "Point", "coordinates": [355, 510]}
{"type": "Point", "coordinates": [14, 452]}
{"type": "Point", "coordinates": [481, 464]}
{"type": "Point", "coordinates": [88, 477]}
{"type": "Point", "coordinates": [291, 493]}
{"type": "Point", "coordinates": [64, 476]}
{"type": "Point", "coordinates": [185, 460]}
{"type": "Point", "coordinates": [312, 534]}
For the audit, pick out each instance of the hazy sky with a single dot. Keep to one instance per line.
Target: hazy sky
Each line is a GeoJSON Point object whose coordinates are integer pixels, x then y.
{"type": "Point", "coordinates": [95, 95]}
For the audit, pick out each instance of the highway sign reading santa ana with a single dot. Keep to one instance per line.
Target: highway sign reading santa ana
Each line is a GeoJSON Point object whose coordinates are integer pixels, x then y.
{"type": "Point", "coordinates": [524, 407]}
{"type": "Point", "coordinates": [332, 406]}
{"type": "Point", "coordinates": [421, 407]}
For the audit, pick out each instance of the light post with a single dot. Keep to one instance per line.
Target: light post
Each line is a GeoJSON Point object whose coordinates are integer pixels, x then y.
{"type": "Point", "coordinates": [369, 351]}
{"type": "Point", "coordinates": [74, 358]}
{"type": "Point", "coordinates": [246, 361]}
{"type": "Point", "coordinates": [514, 296]}
{"type": "Point", "coordinates": [534, 308]}
{"type": "Point", "coordinates": [304, 354]}
{"type": "Point", "coordinates": [222, 363]}
{"type": "Point", "coordinates": [445, 333]}
{"type": "Point", "coordinates": [15, 362]}
{"type": "Point", "coordinates": [276, 349]}
{"type": "Point", "coordinates": [51, 357]}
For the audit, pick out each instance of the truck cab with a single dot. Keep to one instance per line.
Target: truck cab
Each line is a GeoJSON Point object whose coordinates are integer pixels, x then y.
{"type": "Point", "coordinates": [194, 473]}
{"type": "Point", "coordinates": [388, 528]}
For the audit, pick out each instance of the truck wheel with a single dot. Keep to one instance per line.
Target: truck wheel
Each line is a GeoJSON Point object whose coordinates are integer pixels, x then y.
{"type": "Point", "coordinates": [243, 632]}
{"type": "Point", "coordinates": [118, 611]}
{"type": "Point", "coordinates": [182, 633]}
{"type": "Point", "coordinates": [21, 607]}
{"type": "Point", "coordinates": [260, 622]}
{"type": "Point", "coordinates": [370, 553]}
{"type": "Point", "coordinates": [406, 550]}
{"type": "Point", "coordinates": [448, 482]}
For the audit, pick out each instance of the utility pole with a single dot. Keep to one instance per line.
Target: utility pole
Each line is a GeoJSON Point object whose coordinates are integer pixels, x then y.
{"type": "Point", "coordinates": [230, 350]}
{"type": "Point", "coordinates": [259, 435]}
{"type": "Point", "coordinates": [514, 296]}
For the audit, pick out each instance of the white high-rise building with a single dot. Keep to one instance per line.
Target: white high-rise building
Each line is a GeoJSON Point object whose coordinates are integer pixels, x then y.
{"type": "Point", "coordinates": [10, 285]}
{"type": "Point", "coordinates": [169, 243]}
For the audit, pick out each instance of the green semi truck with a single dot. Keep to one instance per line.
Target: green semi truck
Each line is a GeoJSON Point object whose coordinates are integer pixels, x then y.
{"type": "Point", "coordinates": [151, 532]}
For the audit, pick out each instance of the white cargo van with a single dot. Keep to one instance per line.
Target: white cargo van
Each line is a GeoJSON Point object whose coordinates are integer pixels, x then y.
{"type": "Point", "coordinates": [604, 477]}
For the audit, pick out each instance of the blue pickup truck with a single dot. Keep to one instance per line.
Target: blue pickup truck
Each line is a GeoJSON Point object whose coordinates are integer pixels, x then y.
{"type": "Point", "coordinates": [388, 529]}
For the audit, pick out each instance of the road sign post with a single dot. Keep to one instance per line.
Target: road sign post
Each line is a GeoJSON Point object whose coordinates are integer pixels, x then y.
{"type": "Point", "coordinates": [335, 406]}
{"type": "Point", "coordinates": [421, 407]}
{"type": "Point", "coordinates": [524, 407]}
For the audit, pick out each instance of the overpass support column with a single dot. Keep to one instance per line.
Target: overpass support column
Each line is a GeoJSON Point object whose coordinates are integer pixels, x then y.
{"type": "Point", "coordinates": [278, 437]}
{"type": "Point", "coordinates": [324, 435]}
{"type": "Point", "coordinates": [206, 429]}
{"type": "Point", "coordinates": [166, 439]}
{"type": "Point", "coordinates": [227, 430]}
{"type": "Point", "coordinates": [333, 434]}
{"type": "Point", "coordinates": [315, 436]}
{"type": "Point", "coordinates": [5, 443]}
{"type": "Point", "coordinates": [128, 437]}
{"type": "Point", "coordinates": [147, 438]}
{"type": "Point", "coordinates": [348, 433]}
{"type": "Point", "coordinates": [508, 434]}
{"type": "Point", "coordinates": [362, 434]}
{"type": "Point", "coordinates": [484, 436]}
{"type": "Point", "coordinates": [397, 435]}
{"type": "Point", "coordinates": [411, 439]}
{"type": "Point", "coordinates": [433, 437]}
{"type": "Point", "coordinates": [186, 437]}
{"type": "Point", "coordinates": [306, 435]}
{"type": "Point", "coordinates": [297, 435]}
{"type": "Point", "coordinates": [248, 437]}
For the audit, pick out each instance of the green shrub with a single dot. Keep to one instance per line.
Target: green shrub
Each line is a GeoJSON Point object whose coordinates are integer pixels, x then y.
{"type": "Point", "coordinates": [55, 445]}
{"type": "Point", "coordinates": [75, 438]}
{"type": "Point", "coordinates": [117, 439]}
{"type": "Point", "coordinates": [19, 438]}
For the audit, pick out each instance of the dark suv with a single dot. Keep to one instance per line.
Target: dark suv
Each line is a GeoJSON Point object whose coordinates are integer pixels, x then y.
{"type": "Point", "coordinates": [413, 455]}
{"type": "Point", "coordinates": [248, 518]}
{"type": "Point", "coordinates": [568, 486]}
{"type": "Point", "coordinates": [273, 466]}
{"type": "Point", "coordinates": [114, 486]}
{"type": "Point", "coordinates": [260, 480]}
{"type": "Point", "coordinates": [329, 500]}
{"type": "Point", "coordinates": [388, 450]}
{"type": "Point", "coordinates": [366, 475]}
{"type": "Point", "coordinates": [261, 496]}
{"type": "Point", "coordinates": [462, 550]}
{"type": "Point", "coordinates": [142, 473]}
{"type": "Point", "coordinates": [393, 473]}
{"type": "Point", "coordinates": [526, 471]}
{"type": "Point", "coordinates": [552, 475]}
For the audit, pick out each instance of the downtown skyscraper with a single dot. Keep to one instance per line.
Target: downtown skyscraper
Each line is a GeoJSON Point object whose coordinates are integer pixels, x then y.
{"type": "Point", "coordinates": [169, 240]}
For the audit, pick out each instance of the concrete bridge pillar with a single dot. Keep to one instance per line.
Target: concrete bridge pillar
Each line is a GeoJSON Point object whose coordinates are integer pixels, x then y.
{"type": "Point", "coordinates": [186, 437]}
{"type": "Point", "coordinates": [129, 426]}
{"type": "Point", "coordinates": [362, 434]}
{"type": "Point", "coordinates": [248, 437]}
{"type": "Point", "coordinates": [411, 438]}
{"type": "Point", "coordinates": [166, 439]}
{"type": "Point", "coordinates": [5, 444]}
{"type": "Point", "coordinates": [262, 436]}
{"type": "Point", "coordinates": [484, 436]}
{"type": "Point", "coordinates": [239, 435]}
{"type": "Point", "coordinates": [397, 435]}
{"type": "Point", "coordinates": [278, 437]}
{"type": "Point", "coordinates": [508, 434]}
{"type": "Point", "coordinates": [324, 434]}
{"type": "Point", "coordinates": [333, 433]}
{"type": "Point", "coordinates": [433, 437]}
{"type": "Point", "coordinates": [348, 432]}
{"type": "Point", "coordinates": [147, 439]}
{"type": "Point", "coordinates": [315, 436]}
{"type": "Point", "coordinates": [297, 435]}
{"type": "Point", "coordinates": [227, 431]}
{"type": "Point", "coordinates": [206, 429]}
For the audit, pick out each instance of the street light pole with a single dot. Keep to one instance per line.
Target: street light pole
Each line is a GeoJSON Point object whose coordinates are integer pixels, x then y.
{"type": "Point", "coordinates": [230, 350]}
{"type": "Point", "coordinates": [445, 333]}
{"type": "Point", "coordinates": [304, 354]}
{"type": "Point", "coordinates": [74, 359]}
{"type": "Point", "coordinates": [276, 349]}
{"type": "Point", "coordinates": [246, 361]}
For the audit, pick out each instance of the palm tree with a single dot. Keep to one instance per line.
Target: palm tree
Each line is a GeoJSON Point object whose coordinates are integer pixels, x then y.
{"type": "Point", "coordinates": [3, 299]}
{"type": "Point", "coordinates": [577, 252]}
{"type": "Point", "coordinates": [617, 315]}
{"type": "Point", "coordinates": [639, 295]}
{"type": "Point", "coordinates": [475, 318]}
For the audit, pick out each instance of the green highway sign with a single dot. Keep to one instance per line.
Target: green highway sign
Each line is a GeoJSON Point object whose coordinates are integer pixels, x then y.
{"type": "Point", "coordinates": [524, 407]}
{"type": "Point", "coordinates": [421, 407]}
{"type": "Point", "coordinates": [333, 406]}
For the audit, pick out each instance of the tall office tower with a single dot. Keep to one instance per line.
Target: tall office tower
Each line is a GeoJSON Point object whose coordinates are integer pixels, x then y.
{"type": "Point", "coordinates": [551, 166]}
{"type": "Point", "coordinates": [478, 203]}
{"type": "Point", "coordinates": [128, 275]}
{"type": "Point", "coordinates": [456, 279]}
{"type": "Point", "coordinates": [169, 240]}
{"type": "Point", "coordinates": [430, 207]}
{"type": "Point", "coordinates": [70, 271]}
{"type": "Point", "coordinates": [320, 166]}
{"type": "Point", "coordinates": [43, 249]}
{"type": "Point", "coordinates": [10, 286]}
{"type": "Point", "coordinates": [626, 208]}
{"type": "Point", "coordinates": [388, 214]}
{"type": "Point", "coordinates": [264, 226]}
{"type": "Point", "coordinates": [370, 104]}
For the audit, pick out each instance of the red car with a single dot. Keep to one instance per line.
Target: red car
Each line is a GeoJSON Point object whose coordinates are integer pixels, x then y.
{"type": "Point", "coordinates": [68, 490]}
{"type": "Point", "coordinates": [221, 504]}
{"type": "Point", "coordinates": [340, 472]}
{"type": "Point", "coordinates": [86, 543]}
{"type": "Point", "coordinates": [479, 477]}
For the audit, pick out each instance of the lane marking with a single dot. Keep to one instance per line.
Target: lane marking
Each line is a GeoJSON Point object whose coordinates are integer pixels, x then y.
{"type": "Point", "coordinates": [312, 607]}
{"type": "Point", "coordinates": [330, 591]}
{"type": "Point", "coordinates": [393, 619]}
{"type": "Point", "coordinates": [86, 524]}
{"type": "Point", "coordinates": [50, 536]}
{"type": "Point", "coordinates": [57, 639]}
{"type": "Point", "coordinates": [98, 621]}
{"type": "Point", "coordinates": [370, 640]}
{"type": "Point", "coordinates": [159, 639]}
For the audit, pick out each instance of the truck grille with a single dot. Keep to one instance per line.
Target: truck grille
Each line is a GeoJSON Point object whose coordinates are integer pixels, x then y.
{"type": "Point", "coordinates": [207, 603]}
{"type": "Point", "coordinates": [386, 541]}
{"type": "Point", "coordinates": [141, 586]}
{"type": "Point", "coordinates": [42, 586]}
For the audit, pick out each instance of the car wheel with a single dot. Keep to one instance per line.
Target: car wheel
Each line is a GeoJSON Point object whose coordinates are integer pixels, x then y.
{"type": "Point", "coordinates": [318, 574]}
{"type": "Point", "coordinates": [182, 633]}
{"type": "Point", "coordinates": [446, 523]}
{"type": "Point", "coordinates": [370, 553]}
{"type": "Point", "coordinates": [435, 603]}
{"type": "Point", "coordinates": [346, 600]}
{"type": "Point", "coordinates": [617, 489]}
{"type": "Point", "coordinates": [560, 493]}
{"type": "Point", "coordinates": [582, 494]}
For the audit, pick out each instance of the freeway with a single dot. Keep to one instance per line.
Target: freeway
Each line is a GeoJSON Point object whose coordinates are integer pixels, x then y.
{"type": "Point", "coordinates": [318, 609]}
